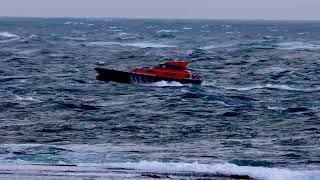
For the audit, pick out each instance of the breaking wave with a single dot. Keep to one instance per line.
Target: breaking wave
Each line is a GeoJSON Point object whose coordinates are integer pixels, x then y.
{"type": "Point", "coordinates": [167, 31]}
{"type": "Point", "coordinates": [273, 86]}
{"type": "Point", "coordinates": [223, 169]}
{"type": "Point", "coordinates": [9, 35]}
{"type": "Point", "coordinates": [206, 83]}
{"type": "Point", "coordinates": [73, 38]}
{"type": "Point", "coordinates": [165, 84]}
{"type": "Point", "coordinates": [138, 44]}
{"type": "Point", "coordinates": [215, 46]}
{"type": "Point", "coordinates": [26, 98]}
{"type": "Point", "coordinates": [298, 46]}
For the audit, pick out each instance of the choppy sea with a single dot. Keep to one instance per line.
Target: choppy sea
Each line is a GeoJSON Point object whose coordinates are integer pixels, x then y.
{"type": "Point", "coordinates": [257, 113]}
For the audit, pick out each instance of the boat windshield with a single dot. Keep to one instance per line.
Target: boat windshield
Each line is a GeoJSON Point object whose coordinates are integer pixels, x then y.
{"type": "Point", "coordinates": [166, 66]}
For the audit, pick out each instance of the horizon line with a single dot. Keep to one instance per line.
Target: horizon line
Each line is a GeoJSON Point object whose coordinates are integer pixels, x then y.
{"type": "Point", "coordinates": [157, 18]}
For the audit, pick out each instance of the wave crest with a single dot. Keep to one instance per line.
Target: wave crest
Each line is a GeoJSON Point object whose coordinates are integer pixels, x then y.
{"type": "Point", "coordinates": [8, 35]}
{"type": "Point", "coordinates": [298, 46]}
{"type": "Point", "coordinates": [223, 169]}
{"type": "Point", "coordinates": [273, 86]}
{"type": "Point", "coordinates": [137, 44]}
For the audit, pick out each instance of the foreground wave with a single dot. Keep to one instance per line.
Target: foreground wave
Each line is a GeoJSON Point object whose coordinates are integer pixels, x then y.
{"type": "Point", "coordinates": [159, 170]}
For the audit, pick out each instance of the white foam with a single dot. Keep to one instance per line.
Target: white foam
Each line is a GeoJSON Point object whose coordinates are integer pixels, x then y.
{"type": "Point", "coordinates": [276, 108]}
{"type": "Point", "coordinates": [9, 40]}
{"type": "Point", "coordinates": [295, 45]}
{"type": "Point", "coordinates": [26, 98]}
{"type": "Point", "coordinates": [146, 45]}
{"type": "Point", "coordinates": [186, 28]}
{"type": "Point", "coordinates": [167, 31]}
{"type": "Point", "coordinates": [271, 70]}
{"type": "Point", "coordinates": [262, 173]}
{"type": "Point", "coordinates": [206, 83]}
{"type": "Point", "coordinates": [165, 84]}
{"type": "Point", "coordinates": [215, 46]}
{"type": "Point", "coordinates": [273, 86]}
{"type": "Point", "coordinates": [74, 38]}
{"type": "Point", "coordinates": [138, 44]}
{"type": "Point", "coordinates": [226, 26]}
{"type": "Point", "coordinates": [9, 35]}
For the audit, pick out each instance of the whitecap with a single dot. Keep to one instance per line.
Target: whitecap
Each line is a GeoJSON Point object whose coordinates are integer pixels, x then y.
{"type": "Point", "coordinates": [165, 84]}
{"type": "Point", "coordinates": [146, 45]}
{"type": "Point", "coordinates": [123, 34]}
{"type": "Point", "coordinates": [138, 44]}
{"type": "Point", "coordinates": [9, 35]}
{"type": "Point", "coordinates": [74, 38]}
{"type": "Point", "coordinates": [26, 98]}
{"type": "Point", "coordinates": [273, 86]}
{"type": "Point", "coordinates": [271, 70]}
{"type": "Point", "coordinates": [167, 31]}
{"type": "Point", "coordinates": [276, 108]}
{"type": "Point", "coordinates": [295, 45]}
{"type": "Point", "coordinates": [9, 40]}
{"type": "Point", "coordinates": [186, 28]}
{"type": "Point", "coordinates": [71, 23]}
{"type": "Point", "coordinates": [214, 46]}
{"type": "Point", "coordinates": [28, 51]}
{"type": "Point", "coordinates": [223, 169]}
{"type": "Point", "coordinates": [207, 83]}
{"type": "Point", "coordinates": [226, 26]}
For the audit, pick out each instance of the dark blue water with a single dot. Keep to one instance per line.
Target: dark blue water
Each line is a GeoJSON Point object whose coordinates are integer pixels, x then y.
{"type": "Point", "coordinates": [258, 105]}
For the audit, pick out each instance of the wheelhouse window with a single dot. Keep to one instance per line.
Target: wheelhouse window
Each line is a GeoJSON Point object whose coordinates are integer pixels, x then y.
{"type": "Point", "coordinates": [165, 66]}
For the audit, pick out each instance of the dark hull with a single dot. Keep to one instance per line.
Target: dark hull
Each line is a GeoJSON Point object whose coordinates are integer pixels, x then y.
{"type": "Point", "coordinates": [128, 77]}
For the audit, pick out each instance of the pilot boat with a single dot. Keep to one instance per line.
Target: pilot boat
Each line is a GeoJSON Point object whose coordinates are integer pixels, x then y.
{"type": "Point", "coordinates": [168, 71]}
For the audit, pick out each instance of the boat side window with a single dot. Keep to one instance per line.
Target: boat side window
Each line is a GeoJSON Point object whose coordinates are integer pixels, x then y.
{"type": "Point", "coordinates": [174, 67]}
{"type": "Point", "coordinates": [166, 66]}
{"type": "Point", "coordinates": [160, 66]}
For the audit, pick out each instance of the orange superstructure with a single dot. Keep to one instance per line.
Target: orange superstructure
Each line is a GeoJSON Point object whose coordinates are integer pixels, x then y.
{"type": "Point", "coordinates": [171, 69]}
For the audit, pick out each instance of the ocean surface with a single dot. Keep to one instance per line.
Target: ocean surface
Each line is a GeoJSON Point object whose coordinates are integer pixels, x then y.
{"type": "Point", "coordinates": [256, 114]}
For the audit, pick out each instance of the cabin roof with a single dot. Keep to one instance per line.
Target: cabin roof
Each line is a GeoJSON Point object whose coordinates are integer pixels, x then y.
{"type": "Point", "coordinates": [182, 64]}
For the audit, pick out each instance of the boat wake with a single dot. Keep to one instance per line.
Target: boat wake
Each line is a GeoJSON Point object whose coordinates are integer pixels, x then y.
{"type": "Point", "coordinates": [165, 84]}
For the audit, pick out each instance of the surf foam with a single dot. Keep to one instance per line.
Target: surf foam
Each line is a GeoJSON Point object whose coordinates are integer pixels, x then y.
{"type": "Point", "coordinates": [167, 31]}
{"type": "Point", "coordinates": [165, 84]}
{"type": "Point", "coordinates": [215, 46]}
{"type": "Point", "coordinates": [262, 173]}
{"type": "Point", "coordinates": [27, 98]}
{"type": "Point", "coordinates": [298, 46]}
{"type": "Point", "coordinates": [138, 44]}
{"type": "Point", "coordinates": [273, 86]}
{"type": "Point", "coordinates": [9, 35]}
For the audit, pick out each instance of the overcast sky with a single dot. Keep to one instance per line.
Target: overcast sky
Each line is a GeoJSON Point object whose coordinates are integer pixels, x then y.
{"type": "Point", "coordinates": [203, 9]}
